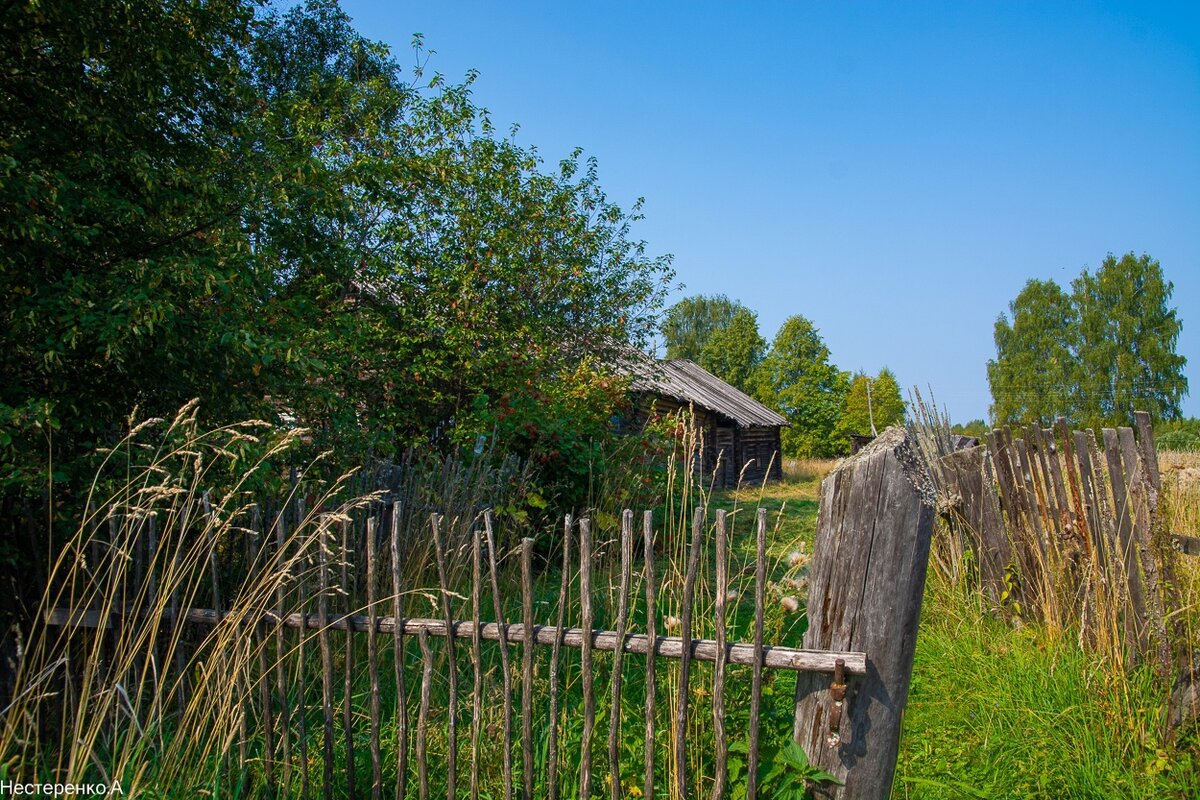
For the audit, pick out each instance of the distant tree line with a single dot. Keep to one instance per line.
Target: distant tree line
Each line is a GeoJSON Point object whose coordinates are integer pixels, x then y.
{"type": "Point", "coordinates": [1094, 354]}
{"type": "Point", "coordinates": [825, 406]}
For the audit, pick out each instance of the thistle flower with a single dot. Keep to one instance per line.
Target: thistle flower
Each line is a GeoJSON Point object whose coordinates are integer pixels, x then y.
{"type": "Point", "coordinates": [673, 622]}
{"type": "Point", "coordinates": [790, 604]}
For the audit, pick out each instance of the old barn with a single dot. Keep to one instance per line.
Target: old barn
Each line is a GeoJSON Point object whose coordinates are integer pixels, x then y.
{"type": "Point", "coordinates": [741, 435]}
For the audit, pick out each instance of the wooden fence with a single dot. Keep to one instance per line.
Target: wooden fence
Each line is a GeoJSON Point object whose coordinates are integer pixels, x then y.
{"type": "Point", "coordinates": [1064, 526]}
{"type": "Point", "coordinates": [346, 579]}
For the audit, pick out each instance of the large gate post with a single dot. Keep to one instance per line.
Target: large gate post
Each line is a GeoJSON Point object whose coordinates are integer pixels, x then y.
{"type": "Point", "coordinates": [866, 583]}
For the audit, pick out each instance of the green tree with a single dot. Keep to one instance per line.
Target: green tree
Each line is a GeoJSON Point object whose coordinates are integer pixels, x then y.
{"type": "Point", "coordinates": [447, 267]}
{"type": "Point", "coordinates": [124, 175]}
{"type": "Point", "coordinates": [733, 351]}
{"type": "Point", "coordinates": [975, 427]}
{"type": "Point", "coordinates": [268, 213]}
{"type": "Point", "coordinates": [692, 321]}
{"type": "Point", "coordinates": [870, 399]}
{"type": "Point", "coordinates": [1032, 378]}
{"type": "Point", "coordinates": [1128, 331]}
{"type": "Point", "coordinates": [797, 379]}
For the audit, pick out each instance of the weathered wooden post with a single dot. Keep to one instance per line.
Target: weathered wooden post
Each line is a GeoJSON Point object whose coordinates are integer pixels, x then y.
{"type": "Point", "coordinates": [866, 583]}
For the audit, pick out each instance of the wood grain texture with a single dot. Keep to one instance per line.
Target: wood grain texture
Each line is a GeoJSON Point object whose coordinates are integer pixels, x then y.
{"type": "Point", "coordinates": [586, 645]}
{"type": "Point", "coordinates": [614, 711]}
{"type": "Point", "coordinates": [721, 744]}
{"type": "Point", "coordinates": [439, 548]}
{"type": "Point", "coordinates": [683, 694]}
{"type": "Point", "coordinates": [398, 657]}
{"type": "Point", "coordinates": [867, 579]}
{"type": "Point", "coordinates": [758, 652]}
{"type": "Point", "coordinates": [502, 636]}
{"type": "Point", "coordinates": [527, 670]}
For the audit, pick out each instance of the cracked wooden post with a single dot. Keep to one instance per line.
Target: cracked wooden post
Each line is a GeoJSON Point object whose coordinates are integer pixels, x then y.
{"type": "Point", "coordinates": [867, 580]}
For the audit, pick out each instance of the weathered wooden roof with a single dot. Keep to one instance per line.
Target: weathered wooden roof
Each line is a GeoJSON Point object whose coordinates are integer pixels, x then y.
{"type": "Point", "coordinates": [688, 382]}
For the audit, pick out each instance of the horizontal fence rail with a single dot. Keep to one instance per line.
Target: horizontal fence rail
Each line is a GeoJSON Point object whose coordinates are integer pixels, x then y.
{"type": "Point", "coordinates": [773, 656]}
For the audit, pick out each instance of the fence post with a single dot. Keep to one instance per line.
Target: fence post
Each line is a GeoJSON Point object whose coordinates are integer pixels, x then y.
{"type": "Point", "coordinates": [867, 579]}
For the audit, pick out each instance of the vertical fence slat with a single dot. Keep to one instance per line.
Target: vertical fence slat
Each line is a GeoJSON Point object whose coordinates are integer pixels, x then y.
{"type": "Point", "coordinates": [756, 680]}
{"type": "Point", "coordinates": [423, 715]}
{"type": "Point", "coordinates": [211, 532]}
{"type": "Point", "coordinates": [999, 452]}
{"type": "Point", "coordinates": [1079, 521]}
{"type": "Point", "coordinates": [451, 663]}
{"type": "Point", "coordinates": [348, 672]}
{"type": "Point", "coordinates": [718, 700]}
{"type": "Point", "coordinates": [1135, 615]}
{"type": "Point", "coordinates": [1140, 488]}
{"type": "Point", "coordinates": [285, 719]}
{"type": "Point", "coordinates": [302, 636]}
{"type": "Point", "coordinates": [504, 661]}
{"type": "Point", "coordinates": [245, 699]}
{"type": "Point", "coordinates": [652, 632]}
{"type": "Point", "coordinates": [1025, 477]}
{"type": "Point", "coordinates": [326, 661]}
{"type": "Point", "coordinates": [177, 627]}
{"type": "Point", "coordinates": [614, 714]}
{"type": "Point", "coordinates": [1114, 587]}
{"type": "Point", "coordinates": [1090, 505]}
{"type": "Point", "coordinates": [585, 656]}
{"type": "Point", "coordinates": [398, 658]}
{"type": "Point", "coordinates": [1146, 447]}
{"type": "Point", "coordinates": [261, 644]}
{"type": "Point", "coordinates": [373, 659]}
{"type": "Point", "coordinates": [555, 662]}
{"type": "Point", "coordinates": [685, 660]}
{"type": "Point", "coordinates": [476, 660]}
{"type": "Point", "coordinates": [1057, 454]}
{"type": "Point", "coordinates": [527, 668]}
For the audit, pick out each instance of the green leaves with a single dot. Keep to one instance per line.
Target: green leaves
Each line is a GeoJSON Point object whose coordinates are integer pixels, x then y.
{"type": "Point", "coordinates": [784, 773]}
{"type": "Point", "coordinates": [1095, 355]}
{"type": "Point", "coordinates": [267, 212]}
{"type": "Point", "coordinates": [797, 379]}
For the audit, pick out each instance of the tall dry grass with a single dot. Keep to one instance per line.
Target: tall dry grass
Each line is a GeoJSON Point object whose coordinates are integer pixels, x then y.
{"type": "Point", "coordinates": [171, 709]}
{"type": "Point", "coordinates": [171, 524]}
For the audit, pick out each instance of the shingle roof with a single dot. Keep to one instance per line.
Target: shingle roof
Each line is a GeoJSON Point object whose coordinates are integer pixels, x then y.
{"type": "Point", "coordinates": [688, 382]}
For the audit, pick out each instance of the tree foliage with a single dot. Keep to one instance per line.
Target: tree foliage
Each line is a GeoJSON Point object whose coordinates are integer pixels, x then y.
{"type": "Point", "coordinates": [1128, 331]}
{"type": "Point", "coordinates": [264, 210]}
{"type": "Point", "coordinates": [870, 399]}
{"type": "Point", "coordinates": [1033, 375]}
{"type": "Point", "coordinates": [691, 322]}
{"type": "Point", "coordinates": [1095, 355]}
{"type": "Point", "coordinates": [797, 379]}
{"type": "Point", "coordinates": [717, 333]}
{"type": "Point", "coordinates": [733, 351]}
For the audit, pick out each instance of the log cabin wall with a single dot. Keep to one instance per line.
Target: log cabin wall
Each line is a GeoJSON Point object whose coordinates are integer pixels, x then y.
{"type": "Point", "coordinates": [742, 437]}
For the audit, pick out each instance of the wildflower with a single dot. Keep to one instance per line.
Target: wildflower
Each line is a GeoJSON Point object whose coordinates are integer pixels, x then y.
{"type": "Point", "coordinates": [673, 622]}
{"type": "Point", "coordinates": [796, 558]}
{"type": "Point", "coordinates": [790, 604]}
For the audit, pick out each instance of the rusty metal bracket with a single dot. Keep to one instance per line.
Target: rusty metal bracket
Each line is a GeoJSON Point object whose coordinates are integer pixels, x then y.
{"type": "Point", "coordinates": [837, 692]}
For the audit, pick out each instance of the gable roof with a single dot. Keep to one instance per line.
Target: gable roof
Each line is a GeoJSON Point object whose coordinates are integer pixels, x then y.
{"type": "Point", "coordinates": [689, 383]}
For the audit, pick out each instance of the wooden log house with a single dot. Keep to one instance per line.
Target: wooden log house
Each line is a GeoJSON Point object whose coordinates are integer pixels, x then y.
{"type": "Point", "coordinates": [741, 436]}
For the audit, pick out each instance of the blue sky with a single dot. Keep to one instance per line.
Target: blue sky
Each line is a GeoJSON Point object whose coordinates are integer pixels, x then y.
{"type": "Point", "coordinates": [894, 172]}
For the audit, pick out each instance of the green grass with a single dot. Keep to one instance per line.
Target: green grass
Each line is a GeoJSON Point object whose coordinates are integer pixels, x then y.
{"type": "Point", "coordinates": [1011, 712]}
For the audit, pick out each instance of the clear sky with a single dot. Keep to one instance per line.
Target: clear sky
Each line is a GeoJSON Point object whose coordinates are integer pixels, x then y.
{"type": "Point", "coordinates": [894, 172]}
